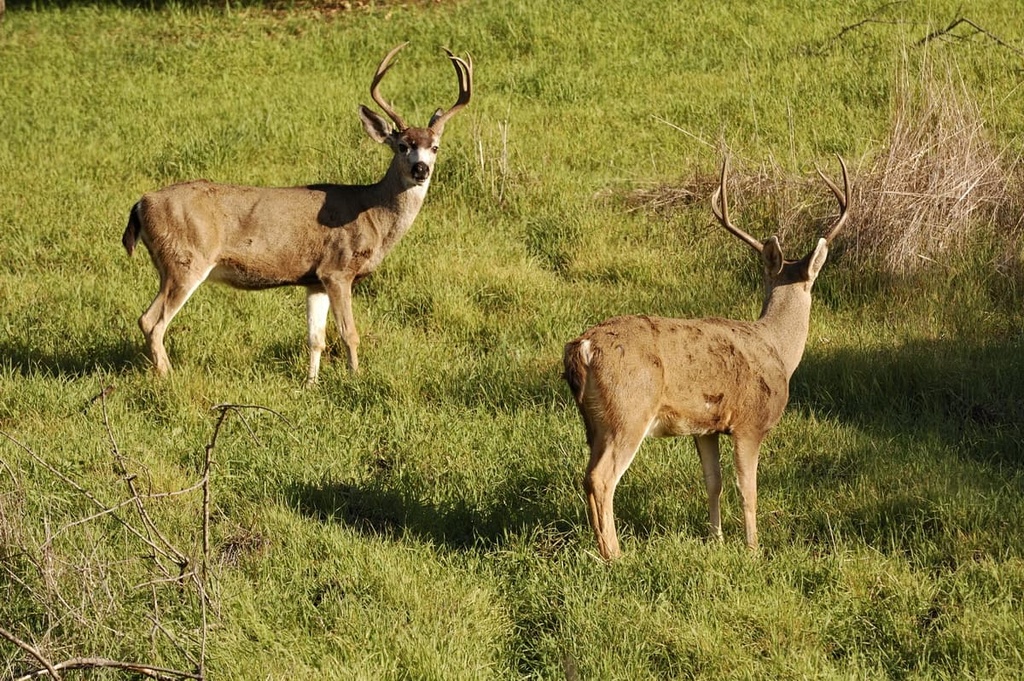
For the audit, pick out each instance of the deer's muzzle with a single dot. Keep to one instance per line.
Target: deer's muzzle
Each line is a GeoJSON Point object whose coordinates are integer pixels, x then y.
{"type": "Point", "coordinates": [420, 171]}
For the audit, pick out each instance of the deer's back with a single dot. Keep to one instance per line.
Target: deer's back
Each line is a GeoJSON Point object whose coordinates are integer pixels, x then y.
{"type": "Point", "coordinates": [259, 237]}
{"type": "Point", "coordinates": [686, 376]}
{"type": "Point", "coordinates": [237, 211]}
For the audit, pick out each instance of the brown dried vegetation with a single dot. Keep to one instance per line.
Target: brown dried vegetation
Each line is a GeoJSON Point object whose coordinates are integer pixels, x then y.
{"type": "Point", "coordinates": [936, 186]}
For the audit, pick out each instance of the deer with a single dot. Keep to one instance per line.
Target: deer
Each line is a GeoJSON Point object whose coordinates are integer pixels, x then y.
{"type": "Point", "coordinates": [637, 376]}
{"type": "Point", "coordinates": [324, 237]}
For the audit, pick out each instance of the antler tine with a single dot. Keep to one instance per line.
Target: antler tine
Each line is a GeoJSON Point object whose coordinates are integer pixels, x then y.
{"type": "Point", "coordinates": [464, 72]}
{"type": "Point", "coordinates": [842, 197]}
{"type": "Point", "coordinates": [385, 64]}
{"type": "Point", "coordinates": [720, 207]}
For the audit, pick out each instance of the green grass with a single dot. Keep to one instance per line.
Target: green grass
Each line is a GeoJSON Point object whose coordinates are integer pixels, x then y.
{"type": "Point", "coordinates": [426, 519]}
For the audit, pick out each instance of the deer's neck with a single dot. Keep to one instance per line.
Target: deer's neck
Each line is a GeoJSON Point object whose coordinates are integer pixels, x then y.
{"type": "Point", "coordinates": [785, 321]}
{"type": "Point", "coordinates": [395, 208]}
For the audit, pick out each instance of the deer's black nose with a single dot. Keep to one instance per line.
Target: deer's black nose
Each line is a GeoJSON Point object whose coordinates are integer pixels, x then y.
{"type": "Point", "coordinates": [420, 171]}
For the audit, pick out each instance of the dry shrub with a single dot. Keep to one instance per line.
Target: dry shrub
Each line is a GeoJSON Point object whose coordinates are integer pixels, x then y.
{"type": "Point", "coordinates": [938, 185]}
{"type": "Point", "coordinates": [764, 199]}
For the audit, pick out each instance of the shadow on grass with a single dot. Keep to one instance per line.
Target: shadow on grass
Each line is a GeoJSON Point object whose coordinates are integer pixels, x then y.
{"type": "Point", "coordinates": [961, 400]}
{"type": "Point", "coordinates": [969, 395]}
{"type": "Point", "coordinates": [959, 390]}
{"type": "Point", "coordinates": [83, 358]}
{"type": "Point", "coordinates": [380, 509]}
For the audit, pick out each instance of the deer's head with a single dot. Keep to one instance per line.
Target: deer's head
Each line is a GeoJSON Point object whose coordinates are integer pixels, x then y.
{"type": "Point", "coordinates": [415, 149]}
{"type": "Point", "coordinates": [779, 271]}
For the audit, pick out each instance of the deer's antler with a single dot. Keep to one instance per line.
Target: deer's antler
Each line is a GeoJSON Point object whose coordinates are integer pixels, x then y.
{"type": "Point", "coordinates": [385, 64]}
{"type": "Point", "coordinates": [720, 207]}
{"type": "Point", "coordinates": [464, 72]}
{"type": "Point", "coordinates": [842, 197]}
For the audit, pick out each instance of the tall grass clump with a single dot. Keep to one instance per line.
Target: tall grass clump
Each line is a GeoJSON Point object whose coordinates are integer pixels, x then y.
{"type": "Point", "coordinates": [939, 183]}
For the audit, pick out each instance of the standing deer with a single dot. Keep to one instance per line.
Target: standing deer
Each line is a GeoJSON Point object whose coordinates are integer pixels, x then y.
{"type": "Point", "coordinates": [323, 237]}
{"type": "Point", "coordinates": [636, 376]}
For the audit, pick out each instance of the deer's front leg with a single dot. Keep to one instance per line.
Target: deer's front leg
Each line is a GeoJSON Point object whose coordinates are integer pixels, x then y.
{"type": "Point", "coordinates": [710, 462]}
{"type": "Point", "coordinates": [339, 290]}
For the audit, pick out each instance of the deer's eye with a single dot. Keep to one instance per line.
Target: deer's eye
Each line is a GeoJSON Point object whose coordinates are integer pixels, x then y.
{"type": "Point", "coordinates": [434, 148]}
{"type": "Point", "coordinates": [403, 147]}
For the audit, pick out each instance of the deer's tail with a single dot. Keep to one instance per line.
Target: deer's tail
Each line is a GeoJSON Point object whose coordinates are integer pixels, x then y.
{"type": "Point", "coordinates": [133, 230]}
{"type": "Point", "coordinates": [576, 360]}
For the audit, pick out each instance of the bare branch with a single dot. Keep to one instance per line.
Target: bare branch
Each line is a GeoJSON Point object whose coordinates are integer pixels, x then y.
{"type": "Point", "coordinates": [201, 579]}
{"type": "Point", "coordinates": [101, 395]}
{"type": "Point", "coordinates": [151, 535]}
{"type": "Point", "coordinates": [121, 504]}
{"type": "Point", "coordinates": [103, 663]}
{"type": "Point", "coordinates": [223, 409]}
{"type": "Point", "coordinates": [168, 549]}
{"type": "Point", "coordinates": [689, 134]}
{"type": "Point", "coordinates": [248, 429]}
{"type": "Point", "coordinates": [70, 482]}
{"type": "Point", "coordinates": [177, 644]}
{"type": "Point", "coordinates": [948, 31]}
{"type": "Point", "coordinates": [148, 533]}
{"type": "Point", "coordinates": [238, 407]}
{"type": "Point", "coordinates": [48, 667]}
{"type": "Point", "coordinates": [10, 471]}
{"type": "Point", "coordinates": [872, 19]}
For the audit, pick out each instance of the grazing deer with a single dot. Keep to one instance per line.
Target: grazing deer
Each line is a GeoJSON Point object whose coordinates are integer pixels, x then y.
{"type": "Point", "coordinates": [323, 237]}
{"type": "Point", "coordinates": [636, 376]}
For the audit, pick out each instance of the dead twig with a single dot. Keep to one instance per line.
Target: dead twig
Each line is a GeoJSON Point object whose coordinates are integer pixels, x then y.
{"type": "Point", "coordinates": [179, 558]}
{"type": "Point", "coordinates": [948, 31]}
{"type": "Point", "coordinates": [146, 530]}
{"type": "Point", "coordinates": [81, 490]}
{"type": "Point", "coordinates": [872, 19]}
{"type": "Point", "coordinates": [226, 406]}
{"type": "Point", "coordinates": [121, 504]}
{"type": "Point", "coordinates": [176, 556]}
{"type": "Point", "coordinates": [48, 667]}
{"type": "Point", "coordinates": [10, 472]}
{"type": "Point", "coordinates": [149, 534]}
{"type": "Point", "coordinates": [158, 625]}
{"type": "Point", "coordinates": [103, 663]}
{"type": "Point", "coordinates": [101, 395]}
{"type": "Point", "coordinates": [223, 410]}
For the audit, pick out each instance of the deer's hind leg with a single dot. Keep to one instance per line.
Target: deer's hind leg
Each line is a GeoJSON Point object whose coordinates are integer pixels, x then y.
{"type": "Point", "coordinates": [175, 290]}
{"type": "Point", "coordinates": [610, 456]}
{"type": "Point", "coordinates": [747, 451]}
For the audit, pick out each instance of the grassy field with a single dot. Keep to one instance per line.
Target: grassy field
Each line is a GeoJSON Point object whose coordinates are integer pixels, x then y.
{"type": "Point", "coordinates": [425, 520]}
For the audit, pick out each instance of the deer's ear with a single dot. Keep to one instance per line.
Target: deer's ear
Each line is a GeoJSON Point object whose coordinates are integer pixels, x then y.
{"type": "Point", "coordinates": [376, 127]}
{"type": "Point", "coordinates": [817, 260]}
{"type": "Point", "coordinates": [772, 256]}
